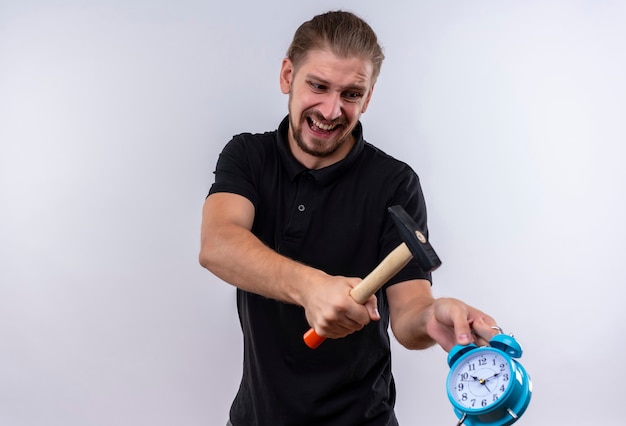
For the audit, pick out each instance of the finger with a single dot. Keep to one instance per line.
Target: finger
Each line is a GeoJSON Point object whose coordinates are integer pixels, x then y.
{"type": "Point", "coordinates": [337, 330]}
{"type": "Point", "coordinates": [462, 327]}
{"type": "Point", "coordinates": [485, 328]}
{"type": "Point", "coordinates": [372, 308]}
{"type": "Point", "coordinates": [345, 323]}
{"type": "Point", "coordinates": [363, 314]}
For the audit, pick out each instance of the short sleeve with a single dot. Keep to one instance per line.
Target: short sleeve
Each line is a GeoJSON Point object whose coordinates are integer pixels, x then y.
{"type": "Point", "coordinates": [234, 172]}
{"type": "Point", "coordinates": [409, 195]}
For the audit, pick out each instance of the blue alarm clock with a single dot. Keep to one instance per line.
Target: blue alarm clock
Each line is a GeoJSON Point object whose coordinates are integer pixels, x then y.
{"type": "Point", "coordinates": [486, 385]}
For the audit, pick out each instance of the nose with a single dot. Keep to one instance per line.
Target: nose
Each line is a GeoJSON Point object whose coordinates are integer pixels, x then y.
{"type": "Point", "coordinates": [330, 107]}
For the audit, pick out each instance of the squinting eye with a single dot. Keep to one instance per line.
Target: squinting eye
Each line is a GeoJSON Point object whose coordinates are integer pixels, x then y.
{"type": "Point", "coordinates": [317, 87]}
{"type": "Point", "coordinates": [353, 95]}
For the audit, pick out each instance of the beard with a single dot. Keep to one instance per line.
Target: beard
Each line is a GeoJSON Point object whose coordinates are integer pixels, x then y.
{"type": "Point", "coordinates": [316, 147]}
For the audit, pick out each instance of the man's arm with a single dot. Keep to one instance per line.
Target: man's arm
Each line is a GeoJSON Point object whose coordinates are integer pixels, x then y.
{"type": "Point", "coordinates": [233, 253]}
{"type": "Point", "coordinates": [418, 320]}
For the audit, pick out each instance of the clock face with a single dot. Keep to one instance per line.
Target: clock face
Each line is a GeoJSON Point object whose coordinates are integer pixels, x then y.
{"type": "Point", "coordinates": [479, 379]}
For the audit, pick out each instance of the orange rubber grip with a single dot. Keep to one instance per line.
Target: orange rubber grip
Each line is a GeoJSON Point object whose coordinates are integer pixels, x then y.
{"type": "Point", "coordinates": [312, 339]}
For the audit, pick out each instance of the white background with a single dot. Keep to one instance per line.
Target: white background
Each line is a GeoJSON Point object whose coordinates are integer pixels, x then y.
{"type": "Point", "coordinates": [112, 114]}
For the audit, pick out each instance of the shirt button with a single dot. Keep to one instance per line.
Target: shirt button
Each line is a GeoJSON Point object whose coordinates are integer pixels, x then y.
{"type": "Point", "coordinates": [301, 207]}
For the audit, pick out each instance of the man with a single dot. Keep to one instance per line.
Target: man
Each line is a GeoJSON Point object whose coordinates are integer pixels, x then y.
{"type": "Point", "coordinates": [296, 217]}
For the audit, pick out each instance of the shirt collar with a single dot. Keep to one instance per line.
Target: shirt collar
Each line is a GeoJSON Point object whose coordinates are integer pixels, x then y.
{"type": "Point", "coordinates": [324, 175]}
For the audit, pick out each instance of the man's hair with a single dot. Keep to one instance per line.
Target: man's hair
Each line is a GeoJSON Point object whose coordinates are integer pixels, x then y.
{"type": "Point", "coordinates": [345, 34]}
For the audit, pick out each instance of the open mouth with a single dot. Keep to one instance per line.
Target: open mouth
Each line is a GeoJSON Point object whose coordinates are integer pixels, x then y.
{"type": "Point", "coordinates": [322, 128]}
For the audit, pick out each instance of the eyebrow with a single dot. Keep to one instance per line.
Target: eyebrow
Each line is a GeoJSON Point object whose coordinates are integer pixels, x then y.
{"type": "Point", "coordinates": [351, 87]}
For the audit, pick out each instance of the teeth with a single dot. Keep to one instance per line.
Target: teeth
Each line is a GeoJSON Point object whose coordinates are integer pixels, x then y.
{"type": "Point", "coordinates": [322, 126]}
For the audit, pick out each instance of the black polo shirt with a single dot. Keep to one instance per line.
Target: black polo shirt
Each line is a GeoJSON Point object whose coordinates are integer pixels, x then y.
{"type": "Point", "coordinates": [334, 219]}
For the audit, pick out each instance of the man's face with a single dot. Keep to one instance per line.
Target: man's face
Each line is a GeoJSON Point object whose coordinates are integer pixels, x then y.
{"type": "Point", "coordinates": [327, 95]}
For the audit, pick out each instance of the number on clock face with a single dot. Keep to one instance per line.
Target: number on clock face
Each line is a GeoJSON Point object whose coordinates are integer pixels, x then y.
{"type": "Point", "coordinates": [480, 379]}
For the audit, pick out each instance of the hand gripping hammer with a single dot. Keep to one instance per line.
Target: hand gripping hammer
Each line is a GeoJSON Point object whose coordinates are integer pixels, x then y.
{"type": "Point", "coordinates": [415, 246]}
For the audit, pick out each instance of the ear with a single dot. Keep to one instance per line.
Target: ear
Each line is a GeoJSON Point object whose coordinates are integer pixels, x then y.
{"type": "Point", "coordinates": [367, 100]}
{"type": "Point", "coordinates": [286, 75]}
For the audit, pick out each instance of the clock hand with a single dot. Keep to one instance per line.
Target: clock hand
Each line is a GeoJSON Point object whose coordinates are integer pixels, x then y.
{"type": "Point", "coordinates": [483, 382]}
{"type": "Point", "coordinates": [493, 377]}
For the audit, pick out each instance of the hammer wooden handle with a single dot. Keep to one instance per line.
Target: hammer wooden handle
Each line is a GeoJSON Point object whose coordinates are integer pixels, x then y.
{"type": "Point", "coordinates": [390, 266]}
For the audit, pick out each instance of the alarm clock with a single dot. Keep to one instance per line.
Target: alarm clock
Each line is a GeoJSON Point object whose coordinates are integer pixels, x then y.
{"type": "Point", "coordinates": [486, 385]}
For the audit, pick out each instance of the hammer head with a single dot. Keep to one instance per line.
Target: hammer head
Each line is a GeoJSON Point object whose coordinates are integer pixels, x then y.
{"type": "Point", "coordinates": [417, 243]}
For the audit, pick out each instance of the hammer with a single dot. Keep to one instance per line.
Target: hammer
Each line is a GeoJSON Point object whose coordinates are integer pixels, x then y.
{"type": "Point", "coordinates": [414, 245]}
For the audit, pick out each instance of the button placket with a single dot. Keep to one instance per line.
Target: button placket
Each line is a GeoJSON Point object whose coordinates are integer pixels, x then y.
{"type": "Point", "coordinates": [305, 186]}
{"type": "Point", "coordinates": [300, 215]}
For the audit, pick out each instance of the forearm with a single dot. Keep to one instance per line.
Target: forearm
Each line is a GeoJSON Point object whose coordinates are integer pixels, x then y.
{"type": "Point", "coordinates": [236, 256]}
{"type": "Point", "coordinates": [411, 327]}
{"type": "Point", "coordinates": [233, 253]}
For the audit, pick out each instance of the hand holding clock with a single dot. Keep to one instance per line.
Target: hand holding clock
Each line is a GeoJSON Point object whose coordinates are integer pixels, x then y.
{"type": "Point", "coordinates": [451, 321]}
